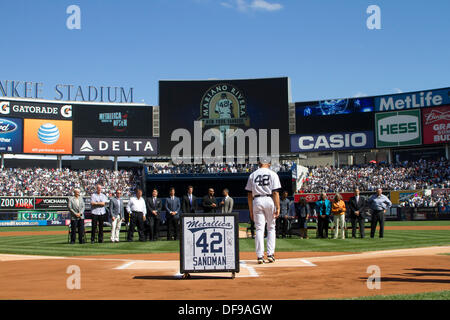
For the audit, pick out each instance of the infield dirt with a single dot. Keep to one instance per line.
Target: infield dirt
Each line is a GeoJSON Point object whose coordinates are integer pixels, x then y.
{"type": "Point", "coordinates": [323, 275]}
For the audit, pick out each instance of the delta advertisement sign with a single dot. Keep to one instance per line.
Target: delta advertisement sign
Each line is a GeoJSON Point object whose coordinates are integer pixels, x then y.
{"type": "Point", "coordinates": [436, 125]}
{"type": "Point", "coordinates": [394, 129]}
{"type": "Point", "coordinates": [421, 99]}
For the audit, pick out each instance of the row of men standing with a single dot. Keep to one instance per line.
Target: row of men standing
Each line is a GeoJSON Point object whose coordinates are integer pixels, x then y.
{"type": "Point", "coordinates": [169, 212]}
{"type": "Point", "coordinates": [145, 214]}
{"type": "Point", "coordinates": [357, 207]}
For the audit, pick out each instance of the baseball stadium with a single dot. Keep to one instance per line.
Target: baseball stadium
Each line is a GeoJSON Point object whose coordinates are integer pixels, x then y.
{"type": "Point", "coordinates": [102, 197]}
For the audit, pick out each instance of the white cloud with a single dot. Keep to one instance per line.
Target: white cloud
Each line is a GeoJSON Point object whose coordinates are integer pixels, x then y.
{"type": "Point", "coordinates": [359, 95]}
{"type": "Point", "coordinates": [246, 5]}
{"type": "Point", "coordinates": [397, 90]}
{"type": "Point", "coordinates": [264, 5]}
{"type": "Point", "coordinates": [226, 4]}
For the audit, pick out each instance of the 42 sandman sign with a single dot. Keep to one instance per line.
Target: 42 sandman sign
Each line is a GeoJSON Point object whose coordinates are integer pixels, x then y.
{"type": "Point", "coordinates": [209, 243]}
{"type": "Point", "coordinates": [394, 129]}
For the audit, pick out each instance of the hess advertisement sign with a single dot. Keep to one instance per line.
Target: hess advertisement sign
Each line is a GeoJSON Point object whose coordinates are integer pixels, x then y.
{"type": "Point", "coordinates": [47, 136]}
{"type": "Point", "coordinates": [436, 125]}
{"type": "Point", "coordinates": [400, 128]}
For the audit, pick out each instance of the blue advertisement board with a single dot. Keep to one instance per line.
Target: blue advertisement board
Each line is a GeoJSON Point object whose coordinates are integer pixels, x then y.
{"type": "Point", "coordinates": [333, 107]}
{"type": "Point", "coordinates": [22, 223]}
{"type": "Point", "coordinates": [332, 141]}
{"type": "Point", "coordinates": [412, 100]}
{"type": "Point", "coordinates": [11, 135]}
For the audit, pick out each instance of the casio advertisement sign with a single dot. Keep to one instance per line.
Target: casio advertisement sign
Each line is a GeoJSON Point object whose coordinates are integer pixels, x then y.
{"type": "Point", "coordinates": [413, 100]}
{"type": "Point", "coordinates": [395, 129]}
{"type": "Point", "coordinates": [332, 141]}
{"type": "Point", "coordinates": [116, 146]}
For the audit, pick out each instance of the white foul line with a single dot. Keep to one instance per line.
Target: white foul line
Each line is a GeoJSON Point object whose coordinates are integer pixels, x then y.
{"type": "Point", "coordinates": [251, 270]}
{"type": "Point", "coordinates": [309, 263]}
{"type": "Point", "coordinates": [126, 265]}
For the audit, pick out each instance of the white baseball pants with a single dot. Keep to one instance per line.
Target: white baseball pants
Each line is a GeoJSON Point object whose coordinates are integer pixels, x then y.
{"type": "Point", "coordinates": [339, 225]}
{"type": "Point", "coordinates": [115, 230]}
{"type": "Point", "coordinates": [263, 211]}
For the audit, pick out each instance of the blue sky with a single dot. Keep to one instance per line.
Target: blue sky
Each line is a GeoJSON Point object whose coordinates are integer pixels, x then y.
{"type": "Point", "coordinates": [323, 46]}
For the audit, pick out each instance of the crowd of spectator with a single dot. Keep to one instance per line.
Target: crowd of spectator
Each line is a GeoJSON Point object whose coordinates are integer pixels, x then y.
{"type": "Point", "coordinates": [169, 168]}
{"type": "Point", "coordinates": [55, 182]}
{"type": "Point", "coordinates": [417, 201]}
{"type": "Point", "coordinates": [401, 176]}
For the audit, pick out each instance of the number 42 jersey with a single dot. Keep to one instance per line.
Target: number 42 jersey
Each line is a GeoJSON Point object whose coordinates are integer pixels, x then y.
{"type": "Point", "coordinates": [262, 182]}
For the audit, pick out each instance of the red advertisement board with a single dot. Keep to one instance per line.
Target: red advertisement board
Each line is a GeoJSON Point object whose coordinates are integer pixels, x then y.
{"type": "Point", "coordinates": [313, 197]}
{"type": "Point", "coordinates": [436, 125]}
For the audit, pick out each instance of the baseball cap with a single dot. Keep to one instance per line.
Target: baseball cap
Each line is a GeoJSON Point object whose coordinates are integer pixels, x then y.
{"type": "Point", "coordinates": [265, 160]}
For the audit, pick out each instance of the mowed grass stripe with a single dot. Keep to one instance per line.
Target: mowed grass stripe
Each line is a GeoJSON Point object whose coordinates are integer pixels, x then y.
{"type": "Point", "coordinates": [438, 295]}
{"type": "Point", "coordinates": [242, 225]}
{"type": "Point", "coordinates": [56, 245]}
{"type": "Point", "coordinates": [33, 229]}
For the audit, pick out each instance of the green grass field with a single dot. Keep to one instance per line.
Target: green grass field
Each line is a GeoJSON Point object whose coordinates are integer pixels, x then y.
{"type": "Point", "coordinates": [56, 245]}
{"type": "Point", "coordinates": [439, 295]}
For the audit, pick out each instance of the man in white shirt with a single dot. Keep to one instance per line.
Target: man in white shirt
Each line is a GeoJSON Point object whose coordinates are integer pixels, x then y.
{"type": "Point", "coordinates": [98, 211]}
{"type": "Point", "coordinates": [264, 206]}
{"type": "Point", "coordinates": [137, 210]}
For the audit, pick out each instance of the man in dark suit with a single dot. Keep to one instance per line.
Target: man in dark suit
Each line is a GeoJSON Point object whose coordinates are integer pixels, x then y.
{"type": "Point", "coordinates": [172, 207]}
{"type": "Point", "coordinates": [189, 203]}
{"type": "Point", "coordinates": [209, 202]}
{"type": "Point", "coordinates": [357, 207]}
{"type": "Point", "coordinates": [154, 207]}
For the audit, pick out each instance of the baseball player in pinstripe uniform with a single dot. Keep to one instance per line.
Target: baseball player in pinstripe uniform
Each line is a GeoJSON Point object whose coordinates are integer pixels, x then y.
{"type": "Point", "coordinates": [264, 206]}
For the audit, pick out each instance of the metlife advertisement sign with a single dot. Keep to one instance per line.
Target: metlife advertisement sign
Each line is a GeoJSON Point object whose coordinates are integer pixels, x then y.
{"type": "Point", "coordinates": [332, 141]}
{"type": "Point", "coordinates": [395, 129]}
{"type": "Point", "coordinates": [412, 100]}
{"type": "Point", "coordinates": [116, 146]}
{"type": "Point", "coordinates": [11, 134]}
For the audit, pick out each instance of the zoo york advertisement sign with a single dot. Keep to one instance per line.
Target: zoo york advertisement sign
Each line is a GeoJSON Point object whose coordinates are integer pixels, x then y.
{"type": "Point", "coordinates": [34, 203]}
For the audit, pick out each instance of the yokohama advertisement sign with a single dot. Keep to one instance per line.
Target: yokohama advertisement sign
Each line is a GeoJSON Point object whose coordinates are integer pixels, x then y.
{"type": "Point", "coordinates": [313, 197]}
{"type": "Point", "coordinates": [56, 203]}
{"type": "Point", "coordinates": [436, 125]}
